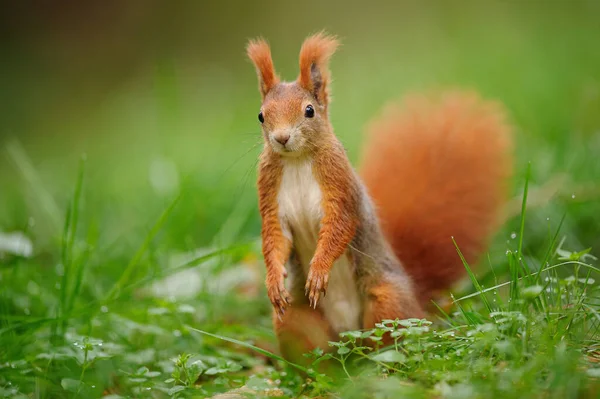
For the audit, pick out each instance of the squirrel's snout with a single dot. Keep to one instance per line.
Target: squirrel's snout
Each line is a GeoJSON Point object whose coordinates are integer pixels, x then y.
{"type": "Point", "coordinates": [282, 138]}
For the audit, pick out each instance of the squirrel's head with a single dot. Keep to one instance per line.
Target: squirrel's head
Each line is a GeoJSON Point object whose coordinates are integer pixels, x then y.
{"type": "Point", "coordinates": [293, 115]}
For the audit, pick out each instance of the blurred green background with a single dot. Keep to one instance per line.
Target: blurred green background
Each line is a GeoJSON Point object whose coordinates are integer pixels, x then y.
{"type": "Point", "coordinates": [160, 97]}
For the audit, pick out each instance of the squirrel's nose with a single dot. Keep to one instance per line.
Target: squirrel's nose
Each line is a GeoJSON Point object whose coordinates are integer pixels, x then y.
{"type": "Point", "coordinates": [282, 138]}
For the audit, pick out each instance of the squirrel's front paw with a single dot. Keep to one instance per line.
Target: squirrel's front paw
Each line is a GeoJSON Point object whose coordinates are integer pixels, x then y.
{"type": "Point", "coordinates": [278, 295]}
{"type": "Point", "coordinates": [316, 283]}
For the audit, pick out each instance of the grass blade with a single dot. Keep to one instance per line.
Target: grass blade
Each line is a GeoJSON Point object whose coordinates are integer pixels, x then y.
{"type": "Point", "coordinates": [68, 242]}
{"type": "Point", "coordinates": [523, 209]}
{"type": "Point", "coordinates": [472, 276]}
{"type": "Point", "coordinates": [141, 250]}
{"type": "Point", "coordinates": [24, 165]}
{"type": "Point", "coordinates": [252, 347]}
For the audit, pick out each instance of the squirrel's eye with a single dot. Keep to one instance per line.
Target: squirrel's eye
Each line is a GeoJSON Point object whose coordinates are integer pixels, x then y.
{"type": "Point", "coordinates": [309, 111]}
{"type": "Point", "coordinates": [261, 118]}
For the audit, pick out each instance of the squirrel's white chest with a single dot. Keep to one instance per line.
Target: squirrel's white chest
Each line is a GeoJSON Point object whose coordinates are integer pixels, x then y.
{"type": "Point", "coordinates": [300, 211]}
{"type": "Point", "coordinates": [300, 200]}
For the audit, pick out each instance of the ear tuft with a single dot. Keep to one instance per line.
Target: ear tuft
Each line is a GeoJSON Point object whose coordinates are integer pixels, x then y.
{"type": "Point", "coordinates": [260, 54]}
{"type": "Point", "coordinates": [314, 65]}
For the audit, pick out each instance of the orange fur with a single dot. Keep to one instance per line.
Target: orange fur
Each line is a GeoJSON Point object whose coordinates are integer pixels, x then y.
{"type": "Point", "coordinates": [314, 69]}
{"type": "Point", "coordinates": [389, 302]}
{"type": "Point", "coordinates": [276, 247]}
{"type": "Point", "coordinates": [339, 223]}
{"type": "Point", "coordinates": [435, 169]}
{"type": "Point", "coordinates": [295, 339]}
{"type": "Point", "coordinates": [259, 52]}
{"type": "Point", "coordinates": [282, 107]}
{"type": "Point", "coordinates": [438, 169]}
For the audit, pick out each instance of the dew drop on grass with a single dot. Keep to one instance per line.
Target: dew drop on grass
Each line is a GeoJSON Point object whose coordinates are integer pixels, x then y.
{"type": "Point", "coordinates": [513, 235]}
{"type": "Point", "coordinates": [177, 333]}
{"type": "Point", "coordinates": [573, 196]}
{"type": "Point", "coordinates": [104, 309]}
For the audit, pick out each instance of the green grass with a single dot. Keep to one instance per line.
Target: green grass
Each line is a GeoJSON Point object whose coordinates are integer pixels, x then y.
{"type": "Point", "coordinates": [145, 277]}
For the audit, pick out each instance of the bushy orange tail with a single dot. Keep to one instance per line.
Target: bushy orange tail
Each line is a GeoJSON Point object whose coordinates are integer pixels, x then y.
{"type": "Point", "coordinates": [438, 168]}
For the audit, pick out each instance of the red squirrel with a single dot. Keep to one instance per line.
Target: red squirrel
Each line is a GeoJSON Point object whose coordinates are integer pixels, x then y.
{"type": "Point", "coordinates": [358, 249]}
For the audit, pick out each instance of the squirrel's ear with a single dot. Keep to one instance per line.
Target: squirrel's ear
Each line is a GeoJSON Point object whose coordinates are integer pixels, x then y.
{"type": "Point", "coordinates": [259, 52]}
{"type": "Point", "coordinates": [314, 65]}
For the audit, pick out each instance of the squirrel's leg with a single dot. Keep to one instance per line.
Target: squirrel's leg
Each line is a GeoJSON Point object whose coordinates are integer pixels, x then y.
{"type": "Point", "coordinates": [339, 222]}
{"type": "Point", "coordinates": [276, 250]}
{"type": "Point", "coordinates": [300, 330]}
{"type": "Point", "coordinates": [334, 237]}
{"type": "Point", "coordinates": [390, 300]}
{"type": "Point", "coordinates": [276, 245]}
